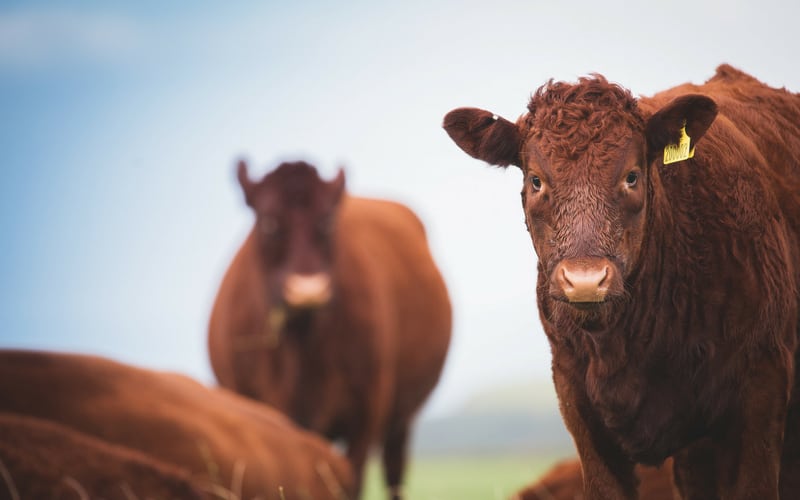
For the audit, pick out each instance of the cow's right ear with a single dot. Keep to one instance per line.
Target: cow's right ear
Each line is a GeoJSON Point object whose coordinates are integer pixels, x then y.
{"type": "Point", "coordinates": [484, 135]}
{"type": "Point", "coordinates": [245, 182]}
{"type": "Point", "coordinates": [336, 187]}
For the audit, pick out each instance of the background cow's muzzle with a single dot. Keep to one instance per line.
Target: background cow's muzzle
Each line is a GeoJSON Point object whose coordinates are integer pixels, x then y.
{"type": "Point", "coordinates": [307, 291]}
{"type": "Point", "coordinates": [585, 282]}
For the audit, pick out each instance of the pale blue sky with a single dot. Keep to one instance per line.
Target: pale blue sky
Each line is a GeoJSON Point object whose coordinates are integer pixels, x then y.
{"type": "Point", "coordinates": [121, 123]}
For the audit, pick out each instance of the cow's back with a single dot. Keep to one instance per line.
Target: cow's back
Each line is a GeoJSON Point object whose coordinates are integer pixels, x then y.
{"type": "Point", "coordinates": [390, 242]}
{"type": "Point", "coordinates": [47, 460]}
{"type": "Point", "coordinates": [172, 418]}
{"type": "Point", "coordinates": [757, 129]}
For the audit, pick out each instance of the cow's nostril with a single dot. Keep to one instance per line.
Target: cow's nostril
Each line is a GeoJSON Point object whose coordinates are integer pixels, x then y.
{"type": "Point", "coordinates": [565, 277]}
{"type": "Point", "coordinates": [605, 275]}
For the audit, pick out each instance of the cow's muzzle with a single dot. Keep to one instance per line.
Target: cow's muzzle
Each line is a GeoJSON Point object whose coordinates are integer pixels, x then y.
{"type": "Point", "coordinates": [307, 291]}
{"type": "Point", "coordinates": [585, 282]}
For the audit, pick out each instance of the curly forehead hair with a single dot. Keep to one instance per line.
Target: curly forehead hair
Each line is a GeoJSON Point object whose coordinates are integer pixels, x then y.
{"type": "Point", "coordinates": [567, 120]}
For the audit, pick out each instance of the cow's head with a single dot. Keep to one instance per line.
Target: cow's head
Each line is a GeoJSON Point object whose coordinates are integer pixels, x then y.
{"type": "Point", "coordinates": [295, 221]}
{"type": "Point", "coordinates": [588, 154]}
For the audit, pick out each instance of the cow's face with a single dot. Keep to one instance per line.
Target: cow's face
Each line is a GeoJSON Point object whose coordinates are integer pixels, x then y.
{"type": "Point", "coordinates": [587, 155]}
{"type": "Point", "coordinates": [295, 222]}
{"type": "Point", "coordinates": [585, 217]}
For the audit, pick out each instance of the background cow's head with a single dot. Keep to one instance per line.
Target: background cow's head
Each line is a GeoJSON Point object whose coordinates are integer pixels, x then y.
{"type": "Point", "coordinates": [295, 222]}
{"type": "Point", "coordinates": [587, 153]}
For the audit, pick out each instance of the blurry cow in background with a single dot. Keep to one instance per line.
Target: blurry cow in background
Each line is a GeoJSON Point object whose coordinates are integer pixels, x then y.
{"type": "Point", "coordinates": [233, 447]}
{"type": "Point", "coordinates": [333, 312]}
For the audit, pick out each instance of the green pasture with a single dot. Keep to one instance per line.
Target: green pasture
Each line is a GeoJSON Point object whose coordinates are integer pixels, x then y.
{"type": "Point", "coordinates": [462, 478]}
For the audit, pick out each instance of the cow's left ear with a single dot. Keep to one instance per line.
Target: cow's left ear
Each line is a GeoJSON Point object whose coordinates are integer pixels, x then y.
{"type": "Point", "coordinates": [245, 182]}
{"type": "Point", "coordinates": [694, 111]}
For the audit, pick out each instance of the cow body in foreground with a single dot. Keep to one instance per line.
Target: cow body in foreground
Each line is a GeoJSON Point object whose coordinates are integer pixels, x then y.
{"type": "Point", "coordinates": [333, 312]}
{"type": "Point", "coordinates": [42, 459]}
{"type": "Point", "coordinates": [668, 292]}
{"type": "Point", "coordinates": [564, 482]}
{"type": "Point", "coordinates": [231, 444]}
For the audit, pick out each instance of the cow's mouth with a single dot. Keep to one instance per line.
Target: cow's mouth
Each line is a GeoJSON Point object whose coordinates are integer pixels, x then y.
{"type": "Point", "coordinates": [300, 320]}
{"type": "Point", "coordinates": [587, 315]}
{"type": "Point", "coordinates": [587, 306]}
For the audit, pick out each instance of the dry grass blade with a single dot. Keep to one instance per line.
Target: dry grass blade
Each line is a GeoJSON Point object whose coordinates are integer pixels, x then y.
{"type": "Point", "coordinates": [328, 477]}
{"type": "Point", "coordinates": [220, 492]}
{"type": "Point", "coordinates": [12, 488]}
{"type": "Point", "coordinates": [211, 464]}
{"type": "Point", "coordinates": [237, 478]}
{"type": "Point", "coordinates": [75, 485]}
{"type": "Point", "coordinates": [128, 491]}
{"type": "Point", "coordinates": [215, 480]}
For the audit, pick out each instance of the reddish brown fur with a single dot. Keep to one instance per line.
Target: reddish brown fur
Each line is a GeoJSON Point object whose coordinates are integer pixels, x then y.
{"type": "Point", "coordinates": [564, 482]}
{"type": "Point", "coordinates": [41, 459]}
{"type": "Point", "coordinates": [217, 436]}
{"type": "Point", "coordinates": [360, 366]}
{"type": "Point", "coordinates": [690, 349]}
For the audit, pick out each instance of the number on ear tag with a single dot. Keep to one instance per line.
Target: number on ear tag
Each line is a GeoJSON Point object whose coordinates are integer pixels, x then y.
{"type": "Point", "coordinates": [678, 152]}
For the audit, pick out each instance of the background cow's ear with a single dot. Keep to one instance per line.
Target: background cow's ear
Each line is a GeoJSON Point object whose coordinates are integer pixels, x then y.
{"type": "Point", "coordinates": [663, 128]}
{"type": "Point", "coordinates": [337, 186]}
{"type": "Point", "coordinates": [484, 136]}
{"type": "Point", "coordinates": [244, 181]}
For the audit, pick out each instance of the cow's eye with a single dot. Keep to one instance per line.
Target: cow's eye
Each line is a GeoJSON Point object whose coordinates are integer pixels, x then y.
{"type": "Point", "coordinates": [536, 182]}
{"type": "Point", "coordinates": [631, 179]}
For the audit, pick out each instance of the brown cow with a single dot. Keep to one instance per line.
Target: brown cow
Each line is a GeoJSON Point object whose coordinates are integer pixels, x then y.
{"type": "Point", "coordinates": [564, 482]}
{"type": "Point", "coordinates": [334, 312]}
{"type": "Point", "coordinates": [237, 445]}
{"type": "Point", "coordinates": [668, 292]}
{"type": "Point", "coordinates": [41, 459]}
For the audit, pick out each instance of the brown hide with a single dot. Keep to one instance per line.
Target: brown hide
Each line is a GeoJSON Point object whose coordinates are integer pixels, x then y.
{"type": "Point", "coordinates": [219, 437]}
{"type": "Point", "coordinates": [368, 359]}
{"type": "Point", "coordinates": [564, 482]}
{"type": "Point", "coordinates": [669, 293]}
{"type": "Point", "coordinates": [40, 459]}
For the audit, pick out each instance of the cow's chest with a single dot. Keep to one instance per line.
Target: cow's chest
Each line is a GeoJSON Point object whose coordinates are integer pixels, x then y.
{"type": "Point", "coordinates": [650, 412]}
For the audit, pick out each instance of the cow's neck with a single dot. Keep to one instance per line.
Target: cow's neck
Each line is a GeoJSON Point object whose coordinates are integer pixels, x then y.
{"type": "Point", "coordinates": [300, 324]}
{"type": "Point", "coordinates": [638, 325]}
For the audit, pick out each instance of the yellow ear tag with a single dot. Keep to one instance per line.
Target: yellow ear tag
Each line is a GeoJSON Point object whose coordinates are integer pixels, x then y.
{"type": "Point", "coordinates": [678, 152]}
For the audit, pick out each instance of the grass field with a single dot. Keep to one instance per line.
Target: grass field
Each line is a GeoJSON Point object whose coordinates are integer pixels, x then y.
{"type": "Point", "coordinates": [461, 478]}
